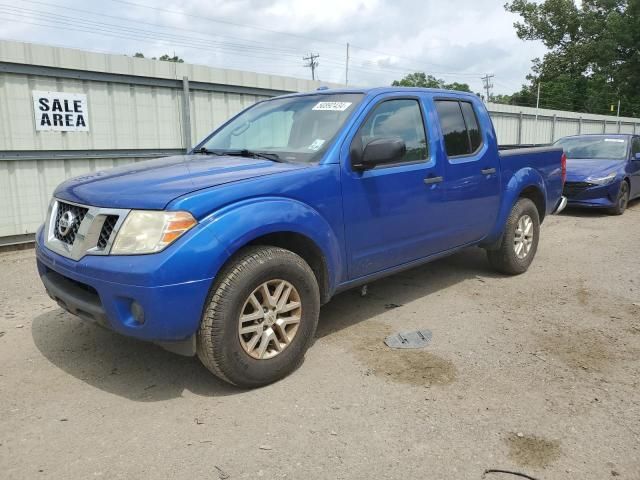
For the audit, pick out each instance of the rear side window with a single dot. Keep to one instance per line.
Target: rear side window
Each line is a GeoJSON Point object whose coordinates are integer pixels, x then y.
{"type": "Point", "coordinates": [397, 118]}
{"type": "Point", "coordinates": [635, 147]}
{"type": "Point", "coordinates": [459, 126]}
{"type": "Point", "coordinates": [472, 125]}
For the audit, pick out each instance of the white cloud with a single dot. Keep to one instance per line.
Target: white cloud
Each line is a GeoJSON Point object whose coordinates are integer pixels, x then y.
{"type": "Point", "coordinates": [457, 39]}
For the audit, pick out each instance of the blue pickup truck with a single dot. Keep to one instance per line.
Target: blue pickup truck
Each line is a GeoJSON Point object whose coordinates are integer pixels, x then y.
{"type": "Point", "coordinates": [228, 252]}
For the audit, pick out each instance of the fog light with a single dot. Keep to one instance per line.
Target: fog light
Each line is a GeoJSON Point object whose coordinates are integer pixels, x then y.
{"type": "Point", "coordinates": [137, 312]}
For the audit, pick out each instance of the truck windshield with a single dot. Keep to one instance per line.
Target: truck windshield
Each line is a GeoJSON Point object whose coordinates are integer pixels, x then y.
{"type": "Point", "coordinates": [594, 147]}
{"type": "Point", "coordinates": [291, 129]}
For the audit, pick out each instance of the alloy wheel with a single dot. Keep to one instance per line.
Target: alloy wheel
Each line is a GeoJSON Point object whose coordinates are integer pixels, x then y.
{"type": "Point", "coordinates": [523, 239]}
{"type": "Point", "coordinates": [269, 319]}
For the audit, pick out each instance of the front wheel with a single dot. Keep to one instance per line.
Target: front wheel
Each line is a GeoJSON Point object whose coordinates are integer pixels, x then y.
{"type": "Point", "coordinates": [622, 201]}
{"type": "Point", "coordinates": [261, 317]}
{"type": "Point", "coordinates": [520, 240]}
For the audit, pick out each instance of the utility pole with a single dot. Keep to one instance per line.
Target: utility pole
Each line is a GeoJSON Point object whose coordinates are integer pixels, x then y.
{"type": "Point", "coordinates": [488, 85]}
{"type": "Point", "coordinates": [538, 104]}
{"type": "Point", "coordinates": [346, 68]}
{"type": "Point", "coordinates": [313, 63]}
{"type": "Point", "coordinates": [618, 115]}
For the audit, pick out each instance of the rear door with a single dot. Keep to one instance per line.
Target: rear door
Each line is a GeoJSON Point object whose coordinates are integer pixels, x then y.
{"type": "Point", "coordinates": [472, 170]}
{"type": "Point", "coordinates": [392, 212]}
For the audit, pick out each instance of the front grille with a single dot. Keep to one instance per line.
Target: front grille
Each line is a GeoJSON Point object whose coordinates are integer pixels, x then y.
{"type": "Point", "coordinates": [573, 189]}
{"type": "Point", "coordinates": [107, 229]}
{"type": "Point", "coordinates": [77, 215]}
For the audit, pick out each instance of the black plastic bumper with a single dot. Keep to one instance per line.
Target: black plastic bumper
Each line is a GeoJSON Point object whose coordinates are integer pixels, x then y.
{"type": "Point", "coordinates": [75, 298]}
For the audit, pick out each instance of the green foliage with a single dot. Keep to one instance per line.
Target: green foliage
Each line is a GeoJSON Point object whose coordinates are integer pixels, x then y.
{"type": "Point", "coordinates": [593, 58]}
{"type": "Point", "coordinates": [167, 58]}
{"type": "Point", "coordinates": [421, 79]}
{"type": "Point", "coordinates": [163, 58]}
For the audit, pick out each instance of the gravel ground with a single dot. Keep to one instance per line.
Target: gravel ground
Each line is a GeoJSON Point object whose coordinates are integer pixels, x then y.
{"type": "Point", "coordinates": [537, 374]}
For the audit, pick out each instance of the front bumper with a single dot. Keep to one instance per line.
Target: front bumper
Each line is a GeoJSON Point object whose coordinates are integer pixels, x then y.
{"type": "Point", "coordinates": [594, 196]}
{"type": "Point", "coordinates": [89, 288]}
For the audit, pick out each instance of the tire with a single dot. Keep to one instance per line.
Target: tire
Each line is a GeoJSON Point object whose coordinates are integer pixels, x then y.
{"type": "Point", "coordinates": [220, 346]}
{"type": "Point", "coordinates": [621, 201]}
{"type": "Point", "coordinates": [506, 259]}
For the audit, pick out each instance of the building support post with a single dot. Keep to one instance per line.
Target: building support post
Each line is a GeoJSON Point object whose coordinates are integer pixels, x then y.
{"type": "Point", "coordinates": [186, 115]}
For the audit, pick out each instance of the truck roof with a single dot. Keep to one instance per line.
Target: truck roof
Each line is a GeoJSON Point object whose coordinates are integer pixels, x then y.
{"type": "Point", "coordinates": [373, 91]}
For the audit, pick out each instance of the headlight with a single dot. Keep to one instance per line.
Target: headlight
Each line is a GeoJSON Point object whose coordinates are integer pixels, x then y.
{"type": "Point", "coordinates": [148, 231]}
{"type": "Point", "coordinates": [602, 180]}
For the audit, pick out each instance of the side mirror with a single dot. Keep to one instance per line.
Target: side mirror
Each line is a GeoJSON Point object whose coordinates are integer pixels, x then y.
{"type": "Point", "coordinates": [381, 151]}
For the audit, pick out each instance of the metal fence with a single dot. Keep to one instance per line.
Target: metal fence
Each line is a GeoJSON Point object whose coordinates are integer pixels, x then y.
{"type": "Point", "coordinates": [523, 125]}
{"type": "Point", "coordinates": [140, 108]}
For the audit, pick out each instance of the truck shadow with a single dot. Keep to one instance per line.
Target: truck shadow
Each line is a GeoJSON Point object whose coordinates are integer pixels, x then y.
{"type": "Point", "coordinates": [129, 368]}
{"type": "Point", "coordinates": [349, 308]}
{"type": "Point", "coordinates": [143, 372]}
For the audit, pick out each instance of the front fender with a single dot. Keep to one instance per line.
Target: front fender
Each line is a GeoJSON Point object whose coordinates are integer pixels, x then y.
{"type": "Point", "coordinates": [519, 181]}
{"type": "Point", "coordinates": [240, 223]}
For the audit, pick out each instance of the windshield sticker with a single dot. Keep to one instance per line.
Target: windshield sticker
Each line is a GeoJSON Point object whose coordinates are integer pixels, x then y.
{"type": "Point", "coordinates": [333, 106]}
{"type": "Point", "coordinates": [316, 145]}
{"type": "Point", "coordinates": [616, 140]}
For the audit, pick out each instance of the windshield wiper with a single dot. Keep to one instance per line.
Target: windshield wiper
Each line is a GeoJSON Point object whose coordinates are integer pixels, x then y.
{"type": "Point", "coordinates": [206, 151]}
{"type": "Point", "coordinates": [274, 157]}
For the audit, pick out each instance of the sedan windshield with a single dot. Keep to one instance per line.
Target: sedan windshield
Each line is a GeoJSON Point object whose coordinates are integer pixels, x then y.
{"type": "Point", "coordinates": [291, 129]}
{"type": "Point", "coordinates": [594, 147]}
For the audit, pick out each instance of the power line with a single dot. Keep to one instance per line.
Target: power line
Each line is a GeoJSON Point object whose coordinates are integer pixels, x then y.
{"type": "Point", "coordinates": [244, 47]}
{"type": "Point", "coordinates": [277, 32]}
{"type": "Point", "coordinates": [132, 34]}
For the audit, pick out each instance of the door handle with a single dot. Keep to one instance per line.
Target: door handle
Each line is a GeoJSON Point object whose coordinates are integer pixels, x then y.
{"type": "Point", "coordinates": [488, 171]}
{"type": "Point", "coordinates": [432, 180]}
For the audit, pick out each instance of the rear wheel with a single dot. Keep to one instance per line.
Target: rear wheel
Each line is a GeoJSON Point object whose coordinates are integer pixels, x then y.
{"type": "Point", "coordinates": [520, 240]}
{"type": "Point", "coordinates": [622, 201]}
{"type": "Point", "coordinates": [261, 317]}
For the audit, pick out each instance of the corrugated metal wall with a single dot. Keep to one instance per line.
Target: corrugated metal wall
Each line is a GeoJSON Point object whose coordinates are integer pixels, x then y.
{"type": "Point", "coordinates": [136, 111]}
{"type": "Point", "coordinates": [524, 125]}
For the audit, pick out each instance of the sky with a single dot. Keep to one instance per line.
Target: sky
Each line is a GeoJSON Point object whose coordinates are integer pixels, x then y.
{"type": "Point", "coordinates": [456, 40]}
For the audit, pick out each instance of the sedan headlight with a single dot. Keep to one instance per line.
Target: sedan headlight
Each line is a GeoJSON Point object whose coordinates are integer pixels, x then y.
{"type": "Point", "coordinates": [602, 180]}
{"type": "Point", "coordinates": [148, 231]}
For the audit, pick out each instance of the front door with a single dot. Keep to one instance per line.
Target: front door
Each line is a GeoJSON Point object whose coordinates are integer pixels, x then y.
{"type": "Point", "coordinates": [634, 168]}
{"type": "Point", "coordinates": [391, 211]}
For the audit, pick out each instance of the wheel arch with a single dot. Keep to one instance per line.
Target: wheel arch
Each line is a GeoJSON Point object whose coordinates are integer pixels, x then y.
{"type": "Point", "coordinates": [284, 223]}
{"type": "Point", "coordinates": [525, 183]}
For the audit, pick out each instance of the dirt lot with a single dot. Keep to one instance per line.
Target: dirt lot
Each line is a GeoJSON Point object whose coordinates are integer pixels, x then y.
{"type": "Point", "coordinates": [538, 374]}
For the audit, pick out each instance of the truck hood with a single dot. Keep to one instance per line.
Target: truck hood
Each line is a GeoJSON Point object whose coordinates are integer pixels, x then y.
{"type": "Point", "coordinates": [578, 170]}
{"type": "Point", "coordinates": [152, 184]}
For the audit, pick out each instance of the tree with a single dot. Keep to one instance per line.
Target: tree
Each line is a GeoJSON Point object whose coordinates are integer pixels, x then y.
{"type": "Point", "coordinates": [163, 58]}
{"type": "Point", "coordinates": [593, 59]}
{"type": "Point", "coordinates": [421, 79]}
{"type": "Point", "coordinates": [167, 58]}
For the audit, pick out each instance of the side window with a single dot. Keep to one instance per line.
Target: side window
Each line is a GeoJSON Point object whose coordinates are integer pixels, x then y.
{"type": "Point", "coordinates": [472, 125]}
{"type": "Point", "coordinates": [456, 139]}
{"type": "Point", "coordinates": [459, 126]}
{"type": "Point", "coordinates": [635, 147]}
{"type": "Point", "coordinates": [397, 118]}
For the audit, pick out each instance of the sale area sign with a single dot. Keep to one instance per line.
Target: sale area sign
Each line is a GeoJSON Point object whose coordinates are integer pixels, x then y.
{"type": "Point", "coordinates": [62, 112]}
